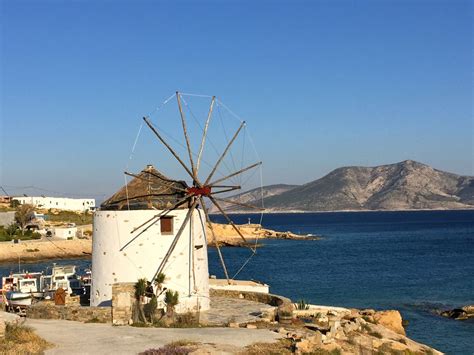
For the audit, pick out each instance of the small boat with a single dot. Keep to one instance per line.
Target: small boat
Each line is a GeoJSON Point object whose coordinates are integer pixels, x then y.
{"type": "Point", "coordinates": [18, 298]}
{"type": "Point", "coordinates": [64, 277]}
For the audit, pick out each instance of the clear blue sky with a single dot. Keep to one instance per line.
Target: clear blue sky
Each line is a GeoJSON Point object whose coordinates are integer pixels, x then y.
{"type": "Point", "coordinates": [323, 84]}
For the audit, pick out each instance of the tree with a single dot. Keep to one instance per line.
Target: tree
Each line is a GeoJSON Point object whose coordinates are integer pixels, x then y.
{"type": "Point", "coordinates": [14, 203]}
{"type": "Point", "coordinates": [23, 215]}
{"type": "Point", "coordinates": [11, 230]}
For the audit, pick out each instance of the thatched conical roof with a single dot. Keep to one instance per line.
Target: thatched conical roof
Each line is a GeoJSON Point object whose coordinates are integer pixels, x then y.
{"type": "Point", "coordinates": [149, 190]}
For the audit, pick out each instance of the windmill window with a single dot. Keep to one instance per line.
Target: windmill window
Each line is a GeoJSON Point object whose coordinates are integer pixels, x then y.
{"type": "Point", "coordinates": [166, 224]}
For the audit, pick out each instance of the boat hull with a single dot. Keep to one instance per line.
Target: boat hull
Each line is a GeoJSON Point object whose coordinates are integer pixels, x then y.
{"type": "Point", "coordinates": [18, 298]}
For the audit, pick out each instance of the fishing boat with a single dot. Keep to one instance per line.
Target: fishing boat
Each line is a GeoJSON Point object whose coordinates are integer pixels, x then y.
{"type": "Point", "coordinates": [62, 276]}
{"type": "Point", "coordinates": [28, 283]}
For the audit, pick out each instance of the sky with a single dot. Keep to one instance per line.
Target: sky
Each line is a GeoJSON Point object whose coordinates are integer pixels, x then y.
{"type": "Point", "coordinates": [321, 84]}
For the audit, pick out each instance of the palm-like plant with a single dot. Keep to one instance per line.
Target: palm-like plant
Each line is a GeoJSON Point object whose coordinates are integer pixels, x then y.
{"type": "Point", "coordinates": [171, 300]}
{"type": "Point", "coordinates": [160, 278]}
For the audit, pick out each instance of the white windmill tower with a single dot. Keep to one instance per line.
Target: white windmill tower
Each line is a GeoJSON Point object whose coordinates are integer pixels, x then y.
{"type": "Point", "coordinates": [155, 225]}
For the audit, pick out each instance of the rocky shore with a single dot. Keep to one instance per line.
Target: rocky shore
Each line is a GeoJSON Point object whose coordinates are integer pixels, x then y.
{"type": "Point", "coordinates": [351, 331]}
{"type": "Point", "coordinates": [227, 236]}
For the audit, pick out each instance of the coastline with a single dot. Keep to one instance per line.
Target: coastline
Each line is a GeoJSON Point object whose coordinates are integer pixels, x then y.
{"type": "Point", "coordinates": [39, 250]}
{"type": "Point", "coordinates": [349, 211]}
{"type": "Point", "coordinates": [34, 251]}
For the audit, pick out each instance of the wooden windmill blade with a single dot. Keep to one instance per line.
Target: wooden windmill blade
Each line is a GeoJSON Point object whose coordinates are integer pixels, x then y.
{"type": "Point", "coordinates": [199, 191]}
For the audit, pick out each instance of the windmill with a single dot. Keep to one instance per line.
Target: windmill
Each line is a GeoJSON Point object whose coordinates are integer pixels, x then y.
{"type": "Point", "coordinates": [155, 224]}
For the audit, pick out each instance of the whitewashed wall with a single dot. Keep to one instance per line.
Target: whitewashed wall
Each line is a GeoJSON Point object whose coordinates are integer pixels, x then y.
{"type": "Point", "coordinates": [60, 203]}
{"type": "Point", "coordinates": [142, 257]}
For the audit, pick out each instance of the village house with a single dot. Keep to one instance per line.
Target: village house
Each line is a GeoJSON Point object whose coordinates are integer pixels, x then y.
{"type": "Point", "coordinates": [60, 203]}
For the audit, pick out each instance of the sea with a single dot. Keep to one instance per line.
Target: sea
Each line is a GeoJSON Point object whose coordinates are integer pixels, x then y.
{"type": "Point", "coordinates": [415, 262]}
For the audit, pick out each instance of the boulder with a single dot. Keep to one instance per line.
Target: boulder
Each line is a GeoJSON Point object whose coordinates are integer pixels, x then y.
{"type": "Point", "coordinates": [391, 320]}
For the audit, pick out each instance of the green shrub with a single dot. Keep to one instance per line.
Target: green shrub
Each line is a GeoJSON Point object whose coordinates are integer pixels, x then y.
{"type": "Point", "coordinates": [150, 308]}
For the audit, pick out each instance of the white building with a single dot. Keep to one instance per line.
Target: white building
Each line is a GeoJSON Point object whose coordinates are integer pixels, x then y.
{"type": "Point", "coordinates": [65, 232]}
{"type": "Point", "coordinates": [60, 203]}
{"type": "Point", "coordinates": [125, 248]}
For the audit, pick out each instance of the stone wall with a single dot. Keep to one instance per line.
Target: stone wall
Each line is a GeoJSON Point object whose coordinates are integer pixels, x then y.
{"type": "Point", "coordinates": [122, 302]}
{"type": "Point", "coordinates": [48, 310]}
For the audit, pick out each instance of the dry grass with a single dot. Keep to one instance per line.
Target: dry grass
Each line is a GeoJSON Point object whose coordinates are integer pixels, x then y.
{"type": "Point", "coordinates": [183, 342]}
{"type": "Point", "coordinates": [283, 346]}
{"type": "Point", "coordinates": [179, 347]}
{"type": "Point", "coordinates": [20, 339]}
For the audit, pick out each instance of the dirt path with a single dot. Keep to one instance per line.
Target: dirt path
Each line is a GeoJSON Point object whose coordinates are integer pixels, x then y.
{"type": "Point", "coordinates": [80, 338]}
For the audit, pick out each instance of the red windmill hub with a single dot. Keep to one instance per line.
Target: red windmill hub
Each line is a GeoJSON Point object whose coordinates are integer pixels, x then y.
{"type": "Point", "coordinates": [199, 191]}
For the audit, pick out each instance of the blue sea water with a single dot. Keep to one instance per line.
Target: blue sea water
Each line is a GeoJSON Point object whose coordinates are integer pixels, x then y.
{"type": "Point", "coordinates": [415, 262]}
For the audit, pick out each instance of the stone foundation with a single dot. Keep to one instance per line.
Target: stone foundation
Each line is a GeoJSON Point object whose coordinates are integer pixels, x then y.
{"type": "Point", "coordinates": [122, 302]}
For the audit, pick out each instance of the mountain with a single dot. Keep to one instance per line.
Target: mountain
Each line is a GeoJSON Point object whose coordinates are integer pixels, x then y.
{"type": "Point", "coordinates": [404, 185]}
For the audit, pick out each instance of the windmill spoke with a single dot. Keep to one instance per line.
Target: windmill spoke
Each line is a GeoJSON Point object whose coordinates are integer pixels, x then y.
{"type": "Point", "coordinates": [230, 221]}
{"type": "Point", "coordinates": [239, 204]}
{"type": "Point", "coordinates": [186, 138]}
{"type": "Point", "coordinates": [236, 173]}
{"type": "Point", "coordinates": [204, 134]}
{"type": "Point", "coordinates": [214, 238]}
{"type": "Point", "coordinates": [175, 240]}
{"type": "Point", "coordinates": [229, 186]}
{"type": "Point", "coordinates": [224, 153]}
{"type": "Point", "coordinates": [169, 147]}
{"type": "Point", "coordinates": [226, 190]}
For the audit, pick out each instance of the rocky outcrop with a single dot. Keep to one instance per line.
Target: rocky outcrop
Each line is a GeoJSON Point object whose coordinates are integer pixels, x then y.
{"type": "Point", "coordinates": [391, 320]}
{"type": "Point", "coordinates": [226, 235]}
{"type": "Point", "coordinates": [462, 313]}
{"type": "Point", "coordinates": [400, 186]}
{"type": "Point", "coordinates": [351, 331]}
